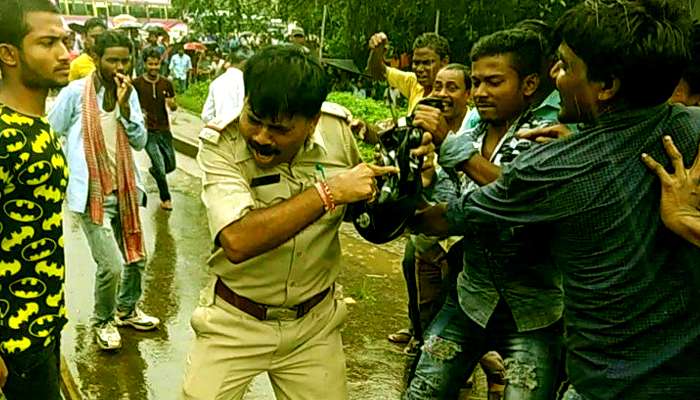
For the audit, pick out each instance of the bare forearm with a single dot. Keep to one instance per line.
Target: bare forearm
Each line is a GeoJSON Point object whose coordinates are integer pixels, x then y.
{"type": "Point", "coordinates": [375, 65]}
{"type": "Point", "coordinates": [481, 170]}
{"type": "Point", "coordinates": [265, 229]}
{"type": "Point", "coordinates": [689, 229]}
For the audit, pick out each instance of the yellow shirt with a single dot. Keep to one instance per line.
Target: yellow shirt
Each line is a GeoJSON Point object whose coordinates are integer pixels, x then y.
{"type": "Point", "coordinates": [408, 85]}
{"type": "Point", "coordinates": [231, 187]}
{"type": "Point", "coordinates": [81, 67]}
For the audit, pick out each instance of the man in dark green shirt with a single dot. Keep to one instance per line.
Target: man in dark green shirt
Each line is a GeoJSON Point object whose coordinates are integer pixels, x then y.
{"type": "Point", "coordinates": [33, 180]}
{"type": "Point", "coordinates": [631, 307]}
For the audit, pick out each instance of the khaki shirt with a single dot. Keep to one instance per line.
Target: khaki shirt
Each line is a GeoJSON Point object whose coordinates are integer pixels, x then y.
{"type": "Point", "coordinates": [233, 185]}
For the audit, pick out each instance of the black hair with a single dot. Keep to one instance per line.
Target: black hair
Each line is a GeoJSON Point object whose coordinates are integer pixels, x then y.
{"type": "Point", "coordinates": [94, 23]}
{"type": "Point", "coordinates": [543, 30]}
{"type": "Point", "coordinates": [151, 52]}
{"type": "Point", "coordinates": [236, 57]}
{"type": "Point", "coordinates": [433, 41]}
{"type": "Point", "coordinates": [523, 46]}
{"type": "Point", "coordinates": [13, 18]}
{"type": "Point", "coordinates": [465, 71]}
{"type": "Point", "coordinates": [644, 43]}
{"type": "Point", "coordinates": [109, 39]}
{"type": "Point", "coordinates": [282, 81]}
{"type": "Point", "coordinates": [692, 72]}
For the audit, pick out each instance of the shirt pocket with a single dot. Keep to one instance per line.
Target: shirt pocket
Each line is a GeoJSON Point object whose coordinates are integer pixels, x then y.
{"type": "Point", "coordinates": [271, 194]}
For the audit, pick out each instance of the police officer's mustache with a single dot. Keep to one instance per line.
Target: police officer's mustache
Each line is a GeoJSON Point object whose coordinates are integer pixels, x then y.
{"type": "Point", "coordinates": [264, 150]}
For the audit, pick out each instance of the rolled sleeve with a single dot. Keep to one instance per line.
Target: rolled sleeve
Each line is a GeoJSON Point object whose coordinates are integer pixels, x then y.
{"type": "Point", "coordinates": [225, 192]}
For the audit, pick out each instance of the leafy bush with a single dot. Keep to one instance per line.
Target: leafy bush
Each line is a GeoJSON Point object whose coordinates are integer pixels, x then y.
{"type": "Point", "coordinates": [194, 97]}
{"type": "Point", "coordinates": [369, 110]}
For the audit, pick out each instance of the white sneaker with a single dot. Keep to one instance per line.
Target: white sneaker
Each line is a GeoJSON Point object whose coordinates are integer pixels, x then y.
{"type": "Point", "coordinates": [137, 319]}
{"type": "Point", "coordinates": [107, 336]}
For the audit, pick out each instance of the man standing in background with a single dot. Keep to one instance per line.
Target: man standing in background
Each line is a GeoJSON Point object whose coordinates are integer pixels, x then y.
{"type": "Point", "coordinates": [156, 95]}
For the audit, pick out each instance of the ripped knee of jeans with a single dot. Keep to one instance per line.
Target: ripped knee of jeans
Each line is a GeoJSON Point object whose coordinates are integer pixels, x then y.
{"type": "Point", "coordinates": [519, 373]}
{"type": "Point", "coordinates": [440, 348]}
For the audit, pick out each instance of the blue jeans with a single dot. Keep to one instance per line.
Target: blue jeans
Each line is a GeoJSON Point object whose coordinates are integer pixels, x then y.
{"type": "Point", "coordinates": [160, 150]}
{"type": "Point", "coordinates": [107, 248]}
{"type": "Point", "coordinates": [454, 344]}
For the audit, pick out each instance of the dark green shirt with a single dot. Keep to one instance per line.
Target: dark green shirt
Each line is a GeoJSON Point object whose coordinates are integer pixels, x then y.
{"type": "Point", "coordinates": [631, 286]}
{"type": "Point", "coordinates": [33, 180]}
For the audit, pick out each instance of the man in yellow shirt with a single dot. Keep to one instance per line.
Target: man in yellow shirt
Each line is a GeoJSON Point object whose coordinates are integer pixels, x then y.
{"type": "Point", "coordinates": [83, 65]}
{"type": "Point", "coordinates": [431, 52]}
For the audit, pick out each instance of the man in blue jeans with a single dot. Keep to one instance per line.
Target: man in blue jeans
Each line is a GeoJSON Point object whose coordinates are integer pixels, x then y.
{"type": "Point", "coordinates": [588, 204]}
{"type": "Point", "coordinates": [96, 113]}
{"type": "Point", "coordinates": [511, 306]}
{"type": "Point", "coordinates": [156, 95]}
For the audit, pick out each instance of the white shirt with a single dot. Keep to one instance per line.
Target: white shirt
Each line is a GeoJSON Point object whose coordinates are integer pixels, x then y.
{"type": "Point", "coordinates": [225, 99]}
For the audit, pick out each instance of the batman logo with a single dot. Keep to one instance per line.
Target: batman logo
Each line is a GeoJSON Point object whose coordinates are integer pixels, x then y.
{"type": "Point", "coordinates": [36, 174]}
{"type": "Point", "coordinates": [55, 299]}
{"type": "Point", "coordinates": [53, 221]}
{"type": "Point", "coordinates": [4, 175]}
{"type": "Point", "coordinates": [60, 242]}
{"type": "Point", "coordinates": [23, 210]}
{"type": "Point", "coordinates": [16, 119]}
{"type": "Point", "coordinates": [10, 268]}
{"type": "Point", "coordinates": [12, 345]}
{"type": "Point", "coordinates": [42, 326]}
{"type": "Point", "coordinates": [4, 308]}
{"type": "Point", "coordinates": [23, 315]}
{"type": "Point", "coordinates": [16, 238]}
{"type": "Point", "coordinates": [49, 193]}
{"type": "Point", "coordinates": [9, 188]}
{"type": "Point", "coordinates": [41, 142]}
{"type": "Point", "coordinates": [49, 268]}
{"type": "Point", "coordinates": [58, 161]}
{"type": "Point", "coordinates": [13, 139]}
{"type": "Point", "coordinates": [28, 288]}
{"type": "Point", "coordinates": [39, 249]}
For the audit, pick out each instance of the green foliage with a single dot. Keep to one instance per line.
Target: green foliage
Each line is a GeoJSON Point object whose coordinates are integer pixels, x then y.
{"type": "Point", "coordinates": [369, 110]}
{"type": "Point", "coordinates": [194, 97]}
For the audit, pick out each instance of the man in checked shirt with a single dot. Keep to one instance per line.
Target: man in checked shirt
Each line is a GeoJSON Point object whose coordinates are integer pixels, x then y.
{"type": "Point", "coordinates": [631, 312]}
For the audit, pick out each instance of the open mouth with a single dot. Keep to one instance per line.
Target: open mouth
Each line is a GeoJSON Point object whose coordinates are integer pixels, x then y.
{"type": "Point", "coordinates": [263, 157]}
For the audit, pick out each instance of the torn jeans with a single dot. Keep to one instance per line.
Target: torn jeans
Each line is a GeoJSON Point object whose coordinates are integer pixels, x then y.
{"type": "Point", "coordinates": [454, 344]}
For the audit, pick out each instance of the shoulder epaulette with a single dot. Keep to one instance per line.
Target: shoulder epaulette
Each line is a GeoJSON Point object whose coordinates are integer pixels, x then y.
{"type": "Point", "coordinates": [213, 130]}
{"type": "Point", "coordinates": [336, 110]}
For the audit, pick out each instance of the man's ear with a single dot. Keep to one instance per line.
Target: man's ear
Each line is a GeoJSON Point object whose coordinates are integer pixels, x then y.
{"type": "Point", "coordinates": [530, 84]}
{"type": "Point", "coordinates": [609, 88]}
{"type": "Point", "coordinates": [9, 54]}
{"type": "Point", "coordinates": [445, 60]}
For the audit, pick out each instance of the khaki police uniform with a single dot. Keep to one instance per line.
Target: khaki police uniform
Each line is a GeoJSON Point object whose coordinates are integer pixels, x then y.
{"type": "Point", "coordinates": [303, 356]}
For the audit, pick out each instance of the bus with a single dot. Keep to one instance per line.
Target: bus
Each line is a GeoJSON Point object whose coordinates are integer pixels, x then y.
{"type": "Point", "coordinates": [141, 9]}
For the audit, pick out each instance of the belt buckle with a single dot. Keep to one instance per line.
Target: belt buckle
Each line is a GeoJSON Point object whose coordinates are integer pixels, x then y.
{"type": "Point", "coordinates": [281, 314]}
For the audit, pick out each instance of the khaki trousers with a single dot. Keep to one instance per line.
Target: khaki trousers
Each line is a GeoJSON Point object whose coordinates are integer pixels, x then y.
{"type": "Point", "coordinates": [303, 357]}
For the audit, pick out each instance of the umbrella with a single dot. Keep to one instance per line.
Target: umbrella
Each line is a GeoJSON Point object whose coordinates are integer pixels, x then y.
{"type": "Point", "coordinates": [195, 46]}
{"type": "Point", "coordinates": [156, 27]}
{"type": "Point", "coordinates": [343, 64]}
{"type": "Point", "coordinates": [126, 21]}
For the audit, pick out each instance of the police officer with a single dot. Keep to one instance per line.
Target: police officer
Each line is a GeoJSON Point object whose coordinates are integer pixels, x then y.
{"type": "Point", "coordinates": [276, 182]}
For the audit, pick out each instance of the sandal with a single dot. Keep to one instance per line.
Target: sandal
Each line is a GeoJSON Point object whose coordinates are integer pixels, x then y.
{"type": "Point", "coordinates": [401, 336]}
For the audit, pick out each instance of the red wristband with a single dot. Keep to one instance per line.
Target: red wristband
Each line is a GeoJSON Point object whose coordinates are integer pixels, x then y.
{"type": "Point", "coordinates": [326, 196]}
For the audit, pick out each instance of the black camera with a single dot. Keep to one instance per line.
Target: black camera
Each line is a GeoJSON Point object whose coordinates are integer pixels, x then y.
{"type": "Point", "coordinates": [385, 219]}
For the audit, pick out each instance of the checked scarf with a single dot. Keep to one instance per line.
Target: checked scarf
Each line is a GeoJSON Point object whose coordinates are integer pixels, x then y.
{"type": "Point", "coordinates": [101, 180]}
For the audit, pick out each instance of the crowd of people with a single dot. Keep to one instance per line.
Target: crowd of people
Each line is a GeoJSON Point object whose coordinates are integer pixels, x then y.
{"type": "Point", "coordinates": [551, 244]}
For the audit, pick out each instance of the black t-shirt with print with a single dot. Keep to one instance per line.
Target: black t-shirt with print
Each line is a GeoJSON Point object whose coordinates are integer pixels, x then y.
{"type": "Point", "coordinates": [33, 180]}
